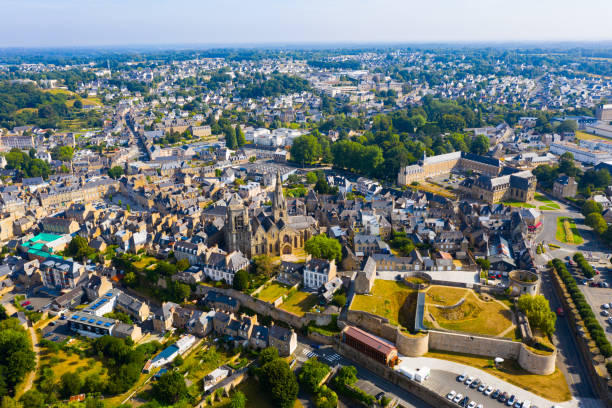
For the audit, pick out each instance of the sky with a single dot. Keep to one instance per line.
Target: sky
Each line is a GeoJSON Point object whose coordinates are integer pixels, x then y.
{"type": "Point", "coordinates": [55, 23]}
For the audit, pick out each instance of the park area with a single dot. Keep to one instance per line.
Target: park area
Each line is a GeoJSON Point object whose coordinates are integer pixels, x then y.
{"type": "Point", "coordinates": [254, 396]}
{"type": "Point", "coordinates": [462, 310]}
{"type": "Point", "coordinates": [567, 232]}
{"type": "Point", "coordinates": [520, 204]}
{"type": "Point", "coordinates": [390, 299]}
{"type": "Point", "coordinates": [549, 204]}
{"type": "Point", "coordinates": [552, 387]}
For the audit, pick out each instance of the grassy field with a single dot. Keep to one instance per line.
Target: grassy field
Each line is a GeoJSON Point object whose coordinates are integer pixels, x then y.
{"type": "Point", "coordinates": [145, 261]}
{"type": "Point", "coordinates": [273, 291]}
{"type": "Point", "coordinates": [387, 299]}
{"type": "Point", "coordinates": [299, 302]}
{"type": "Point", "coordinates": [431, 188]}
{"type": "Point", "coordinates": [444, 295]}
{"type": "Point", "coordinates": [589, 136]}
{"type": "Point", "coordinates": [61, 362]}
{"type": "Point", "coordinates": [549, 204]}
{"type": "Point", "coordinates": [552, 387]}
{"type": "Point", "coordinates": [202, 361]}
{"type": "Point", "coordinates": [473, 316]}
{"type": "Point", "coordinates": [567, 231]}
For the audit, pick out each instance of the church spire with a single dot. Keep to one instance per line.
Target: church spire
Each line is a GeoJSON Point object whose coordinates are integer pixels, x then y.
{"type": "Point", "coordinates": [279, 206]}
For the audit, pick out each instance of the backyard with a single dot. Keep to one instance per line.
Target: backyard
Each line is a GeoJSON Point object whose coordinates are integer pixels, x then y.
{"type": "Point", "coordinates": [299, 302]}
{"type": "Point", "coordinates": [387, 299]}
{"type": "Point", "coordinates": [567, 232]}
{"type": "Point", "coordinates": [254, 395]}
{"type": "Point", "coordinates": [473, 315]}
{"type": "Point", "coordinates": [552, 387]}
{"type": "Point", "coordinates": [273, 291]}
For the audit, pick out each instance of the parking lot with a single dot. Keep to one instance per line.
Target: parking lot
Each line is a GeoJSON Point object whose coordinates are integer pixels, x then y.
{"type": "Point", "coordinates": [596, 297]}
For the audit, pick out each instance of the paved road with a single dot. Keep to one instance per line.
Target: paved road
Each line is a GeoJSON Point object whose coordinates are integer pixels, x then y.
{"type": "Point", "coordinates": [568, 360]}
{"type": "Point", "coordinates": [367, 380]}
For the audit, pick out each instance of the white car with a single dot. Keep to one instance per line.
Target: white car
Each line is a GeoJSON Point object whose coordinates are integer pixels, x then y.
{"type": "Point", "coordinates": [488, 391]}
{"type": "Point", "coordinates": [479, 406]}
{"type": "Point", "coordinates": [605, 306]}
{"type": "Point", "coordinates": [526, 404]}
{"type": "Point", "coordinates": [451, 395]}
{"type": "Point", "coordinates": [457, 398]}
{"type": "Point", "coordinates": [610, 320]}
{"type": "Point", "coordinates": [469, 380]}
{"type": "Point", "coordinates": [472, 404]}
{"type": "Point", "coordinates": [605, 313]}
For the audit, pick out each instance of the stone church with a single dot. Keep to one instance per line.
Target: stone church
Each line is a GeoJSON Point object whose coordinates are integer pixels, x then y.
{"type": "Point", "coordinates": [274, 234]}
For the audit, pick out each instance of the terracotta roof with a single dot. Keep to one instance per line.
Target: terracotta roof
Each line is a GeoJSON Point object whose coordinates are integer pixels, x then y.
{"type": "Point", "coordinates": [369, 339]}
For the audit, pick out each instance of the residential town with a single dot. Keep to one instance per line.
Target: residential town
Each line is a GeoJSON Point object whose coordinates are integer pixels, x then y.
{"type": "Point", "coordinates": [405, 227]}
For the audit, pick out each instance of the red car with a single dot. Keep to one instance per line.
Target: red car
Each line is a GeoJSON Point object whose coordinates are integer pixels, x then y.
{"type": "Point", "coordinates": [560, 312]}
{"type": "Point", "coordinates": [27, 302]}
{"type": "Point", "coordinates": [596, 272]}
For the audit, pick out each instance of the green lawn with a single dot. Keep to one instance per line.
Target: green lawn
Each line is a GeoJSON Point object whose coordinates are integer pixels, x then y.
{"type": "Point", "coordinates": [549, 204]}
{"type": "Point", "coordinates": [387, 299]}
{"type": "Point", "coordinates": [573, 237]}
{"type": "Point", "coordinates": [552, 387]}
{"type": "Point", "coordinates": [145, 261]}
{"type": "Point", "coordinates": [473, 316]}
{"type": "Point", "coordinates": [300, 302]}
{"type": "Point", "coordinates": [273, 291]}
{"type": "Point", "coordinates": [61, 362]}
{"type": "Point", "coordinates": [518, 204]}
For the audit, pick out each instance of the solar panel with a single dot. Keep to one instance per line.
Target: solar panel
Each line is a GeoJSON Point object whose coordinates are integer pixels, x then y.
{"type": "Point", "coordinates": [92, 320]}
{"type": "Point", "coordinates": [75, 316]}
{"type": "Point", "coordinates": [83, 319]}
{"type": "Point", "coordinates": [108, 324]}
{"type": "Point", "coordinates": [99, 322]}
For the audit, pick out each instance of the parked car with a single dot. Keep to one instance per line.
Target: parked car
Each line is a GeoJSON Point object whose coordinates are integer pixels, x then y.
{"type": "Point", "coordinates": [472, 404]}
{"type": "Point", "coordinates": [464, 402]}
{"type": "Point", "coordinates": [518, 404]}
{"type": "Point", "coordinates": [605, 313]}
{"type": "Point", "coordinates": [511, 400]}
{"type": "Point", "coordinates": [605, 306]}
{"type": "Point", "coordinates": [502, 397]}
{"type": "Point", "coordinates": [457, 398]}
{"type": "Point", "coordinates": [451, 395]}
{"type": "Point", "coordinates": [560, 312]}
{"type": "Point", "coordinates": [461, 378]}
{"type": "Point", "coordinates": [526, 404]}
{"type": "Point", "coordinates": [488, 391]}
{"type": "Point", "coordinates": [482, 387]}
{"type": "Point", "coordinates": [469, 380]}
{"type": "Point", "coordinates": [27, 302]}
{"type": "Point", "coordinates": [475, 383]}
{"type": "Point", "coordinates": [495, 393]}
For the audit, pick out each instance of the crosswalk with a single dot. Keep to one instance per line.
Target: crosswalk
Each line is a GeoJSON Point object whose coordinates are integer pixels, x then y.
{"type": "Point", "coordinates": [332, 358]}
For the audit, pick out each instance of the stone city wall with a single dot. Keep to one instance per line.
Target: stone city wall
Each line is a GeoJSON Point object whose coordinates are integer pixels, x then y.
{"type": "Point", "coordinates": [542, 364]}
{"type": "Point", "coordinates": [412, 345]}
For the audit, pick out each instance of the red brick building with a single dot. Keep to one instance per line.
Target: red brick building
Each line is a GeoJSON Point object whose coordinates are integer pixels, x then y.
{"type": "Point", "coordinates": [370, 345]}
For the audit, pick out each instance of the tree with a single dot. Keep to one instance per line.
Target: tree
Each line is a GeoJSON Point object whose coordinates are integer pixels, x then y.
{"type": "Point", "coordinates": [263, 265]}
{"type": "Point", "coordinates": [70, 384]}
{"type": "Point", "coordinates": [8, 402]}
{"type": "Point", "coordinates": [78, 104]}
{"type": "Point", "coordinates": [62, 153]}
{"type": "Point", "coordinates": [268, 354]}
{"type": "Point", "coordinates": [170, 388]}
{"type": "Point", "coordinates": [240, 140]}
{"type": "Point", "coordinates": [597, 222]}
{"type": "Point", "coordinates": [115, 172]}
{"type": "Point", "coordinates": [230, 138]}
{"type": "Point", "coordinates": [591, 206]}
{"type": "Point", "coordinates": [79, 248]}
{"type": "Point", "coordinates": [480, 145]}
{"type": "Point", "coordinates": [312, 373]}
{"type": "Point", "coordinates": [241, 280]}
{"type": "Point", "coordinates": [279, 381]}
{"type": "Point", "coordinates": [3, 314]}
{"type": "Point", "coordinates": [16, 355]}
{"type": "Point", "coordinates": [311, 177]}
{"type": "Point", "coordinates": [325, 398]}
{"type": "Point", "coordinates": [567, 125]}
{"type": "Point", "coordinates": [484, 264]}
{"type": "Point", "coordinates": [238, 400]}
{"type": "Point", "coordinates": [32, 399]}
{"type": "Point", "coordinates": [321, 246]}
{"type": "Point", "coordinates": [182, 264]}
{"type": "Point", "coordinates": [537, 310]}
{"type": "Point", "coordinates": [306, 149]}
{"type": "Point", "coordinates": [339, 300]}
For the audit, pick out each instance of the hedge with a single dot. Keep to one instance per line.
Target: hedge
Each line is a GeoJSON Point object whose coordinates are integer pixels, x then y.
{"type": "Point", "coordinates": [587, 269]}
{"type": "Point", "coordinates": [585, 311]}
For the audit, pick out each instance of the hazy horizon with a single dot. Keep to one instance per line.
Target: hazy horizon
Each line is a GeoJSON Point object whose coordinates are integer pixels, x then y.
{"type": "Point", "coordinates": [159, 23]}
